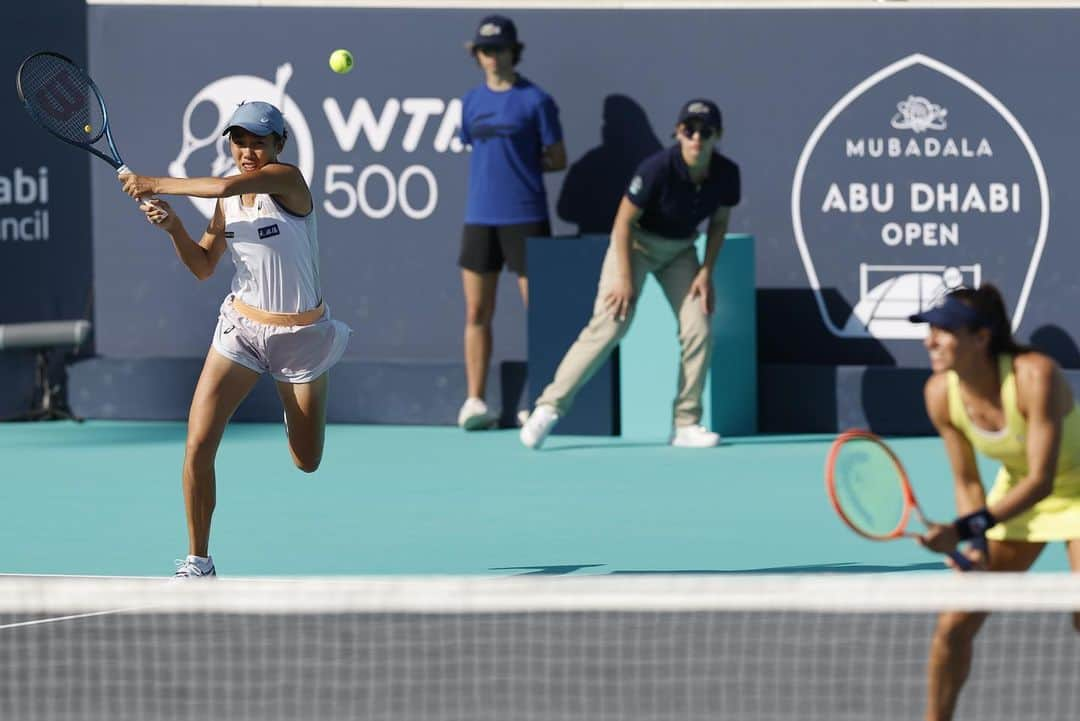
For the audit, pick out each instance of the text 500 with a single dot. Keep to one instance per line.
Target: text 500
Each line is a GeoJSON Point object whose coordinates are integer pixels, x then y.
{"type": "Point", "coordinates": [415, 191]}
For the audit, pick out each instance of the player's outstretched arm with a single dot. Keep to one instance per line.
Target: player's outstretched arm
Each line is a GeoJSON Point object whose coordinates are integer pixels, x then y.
{"type": "Point", "coordinates": [967, 484]}
{"type": "Point", "coordinates": [273, 179]}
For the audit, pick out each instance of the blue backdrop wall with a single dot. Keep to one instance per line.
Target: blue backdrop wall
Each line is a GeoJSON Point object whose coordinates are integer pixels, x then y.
{"type": "Point", "coordinates": [886, 154]}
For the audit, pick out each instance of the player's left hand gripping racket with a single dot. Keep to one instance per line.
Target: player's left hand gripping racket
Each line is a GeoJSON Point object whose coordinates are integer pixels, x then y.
{"type": "Point", "coordinates": [871, 492]}
{"type": "Point", "coordinates": [62, 98]}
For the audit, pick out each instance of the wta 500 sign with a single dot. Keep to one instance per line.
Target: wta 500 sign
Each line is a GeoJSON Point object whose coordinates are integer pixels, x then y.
{"type": "Point", "coordinates": [375, 190]}
{"type": "Point", "coordinates": [916, 181]}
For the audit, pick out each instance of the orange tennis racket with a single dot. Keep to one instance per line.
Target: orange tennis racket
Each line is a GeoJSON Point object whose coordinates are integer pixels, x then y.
{"type": "Point", "coordinates": [871, 492]}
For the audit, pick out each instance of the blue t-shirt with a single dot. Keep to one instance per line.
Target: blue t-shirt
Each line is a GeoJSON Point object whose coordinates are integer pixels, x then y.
{"type": "Point", "coordinates": [507, 131]}
{"type": "Point", "coordinates": [673, 205]}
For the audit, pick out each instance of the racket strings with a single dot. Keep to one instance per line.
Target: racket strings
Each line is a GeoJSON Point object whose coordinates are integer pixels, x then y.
{"type": "Point", "coordinates": [62, 98]}
{"type": "Point", "coordinates": [869, 488]}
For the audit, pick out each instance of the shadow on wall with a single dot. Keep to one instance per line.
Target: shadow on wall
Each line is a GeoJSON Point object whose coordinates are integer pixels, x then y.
{"type": "Point", "coordinates": [595, 184]}
{"type": "Point", "coordinates": [1056, 343]}
{"type": "Point", "coordinates": [790, 330]}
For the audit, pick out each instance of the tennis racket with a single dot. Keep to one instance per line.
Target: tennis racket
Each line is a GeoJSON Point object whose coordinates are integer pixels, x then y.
{"type": "Point", "coordinates": [870, 490]}
{"type": "Point", "coordinates": [62, 98]}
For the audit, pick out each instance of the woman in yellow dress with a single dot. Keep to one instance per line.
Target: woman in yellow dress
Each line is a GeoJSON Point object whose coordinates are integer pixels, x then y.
{"type": "Point", "coordinates": [991, 394]}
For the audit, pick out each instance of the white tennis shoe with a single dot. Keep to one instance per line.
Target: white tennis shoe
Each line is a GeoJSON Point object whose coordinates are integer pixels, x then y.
{"type": "Point", "coordinates": [191, 567]}
{"type": "Point", "coordinates": [538, 426]}
{"type": "Point", "coordinates": [694, 437]}
{"type": "Point", "coordinates": [475, 416]}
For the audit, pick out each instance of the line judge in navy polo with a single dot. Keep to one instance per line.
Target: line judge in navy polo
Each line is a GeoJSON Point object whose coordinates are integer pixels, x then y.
{"type": "Point", "coordinates": [513, 128]}
{"type": "Point", "coordinates": [670, 195]}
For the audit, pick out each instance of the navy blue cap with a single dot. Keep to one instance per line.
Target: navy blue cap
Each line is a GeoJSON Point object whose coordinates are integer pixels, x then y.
{"type": "Point", "coordinates": [257, 117]}
{"type": "Point", "coordinates": [701, 109]}
{"type": "Point", "coordinates": [496, 31]}
{"type": "Point", "coordinates": [951, 314]}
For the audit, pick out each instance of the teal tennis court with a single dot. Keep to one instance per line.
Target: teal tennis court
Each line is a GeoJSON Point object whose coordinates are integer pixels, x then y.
{"type": "Point", "coordinates": [103, 498]}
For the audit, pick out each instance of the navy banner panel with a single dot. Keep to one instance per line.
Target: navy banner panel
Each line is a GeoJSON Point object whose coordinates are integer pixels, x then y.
{"type": "Point", "coordinates": [45, 230]}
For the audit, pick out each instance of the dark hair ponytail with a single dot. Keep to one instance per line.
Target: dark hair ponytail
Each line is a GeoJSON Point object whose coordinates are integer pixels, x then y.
{"type": "Point", "coordinates": [986, 300]}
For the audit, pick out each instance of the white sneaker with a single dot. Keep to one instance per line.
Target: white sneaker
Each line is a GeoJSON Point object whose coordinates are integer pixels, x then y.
{"type": "Point", "coordinates": [538, 426]}
{"type": "Point", "coordinates": [694, 437]}
{"type": "Point", "coordinates": [475, 416]}
{"type": "Point", "coordinates": [193, 567]}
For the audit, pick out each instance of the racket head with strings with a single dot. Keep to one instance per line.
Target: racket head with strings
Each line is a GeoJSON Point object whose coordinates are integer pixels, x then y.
{"type": "Point", "coordinates": [870, 490]}
{"type": "Point", "coordinates": [62, 98]}
{"type": "Point", "coordinates": [868, 486]}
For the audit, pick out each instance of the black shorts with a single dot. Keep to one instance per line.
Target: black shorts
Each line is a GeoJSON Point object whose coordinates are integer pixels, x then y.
{"type": "Point", "coordinates": [485, 248]}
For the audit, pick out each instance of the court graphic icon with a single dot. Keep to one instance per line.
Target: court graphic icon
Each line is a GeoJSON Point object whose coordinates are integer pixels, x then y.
{"type": "Point", "coordinates": [917, 181]}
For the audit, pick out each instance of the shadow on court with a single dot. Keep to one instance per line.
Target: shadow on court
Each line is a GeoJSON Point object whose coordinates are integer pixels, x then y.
{"type": "Point", "coordinates": [813, 568]}
{"type": "Point", "coordinates": [613, 444]}
{"type": "Point", "coordinates": [566, 569]}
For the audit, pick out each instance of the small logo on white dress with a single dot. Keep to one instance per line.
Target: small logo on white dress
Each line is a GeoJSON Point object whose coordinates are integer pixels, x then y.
{"type": "Point", "coordinates": [919, 115]}
{"type": "Point", "coordinates": [269, 230]}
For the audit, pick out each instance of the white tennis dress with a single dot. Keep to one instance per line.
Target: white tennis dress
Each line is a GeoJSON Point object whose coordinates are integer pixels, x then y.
{"type": "Point", "coordinates": [276, 254]}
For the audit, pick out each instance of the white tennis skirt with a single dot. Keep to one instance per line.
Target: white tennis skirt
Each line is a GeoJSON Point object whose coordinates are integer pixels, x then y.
{"type": "Point", "coordinates": [293, 354]}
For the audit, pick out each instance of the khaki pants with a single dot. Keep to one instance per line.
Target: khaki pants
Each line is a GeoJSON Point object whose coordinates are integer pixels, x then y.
{"type": "Point", "coordinates": [674, 263]}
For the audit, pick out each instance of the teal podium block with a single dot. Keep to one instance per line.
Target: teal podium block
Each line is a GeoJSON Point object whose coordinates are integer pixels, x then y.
{"type": "Point", "coordinates": [649, 358]}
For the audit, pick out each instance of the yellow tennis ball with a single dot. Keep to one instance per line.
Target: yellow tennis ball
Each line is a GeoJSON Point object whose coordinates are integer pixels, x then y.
{"type": "Point", "coordinates": [341, 61]}
{"type": "Point", "coordinates": [87, 129]}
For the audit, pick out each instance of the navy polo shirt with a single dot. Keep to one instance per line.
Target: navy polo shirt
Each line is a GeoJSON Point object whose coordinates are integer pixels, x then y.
{"type": "Point", "coordinates": [673, 205]}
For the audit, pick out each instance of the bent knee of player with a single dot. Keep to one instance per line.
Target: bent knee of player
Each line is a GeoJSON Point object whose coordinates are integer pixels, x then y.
{"type": "Point", "coordinates": [306, 459]}
{"type": "Point", "coordinates": [200, 449]}
{"type": "Point", "coordinates": [956, 629]}
{"type": "Point", "coordinates": [307, 464]}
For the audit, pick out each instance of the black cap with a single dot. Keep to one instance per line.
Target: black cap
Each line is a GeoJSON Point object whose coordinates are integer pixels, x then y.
{"type": "Point", "coordinates": [496, 31]}
{"type": "Point", "coordinates": [703, 110]}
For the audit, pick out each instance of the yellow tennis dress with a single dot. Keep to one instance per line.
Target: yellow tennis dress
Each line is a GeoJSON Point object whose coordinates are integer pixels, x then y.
{"type": "Point", "coordinates": [1054, 518]}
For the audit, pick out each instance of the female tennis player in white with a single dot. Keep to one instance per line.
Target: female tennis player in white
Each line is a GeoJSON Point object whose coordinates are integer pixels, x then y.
{"type": "Point", "coordinates": [273, 320]}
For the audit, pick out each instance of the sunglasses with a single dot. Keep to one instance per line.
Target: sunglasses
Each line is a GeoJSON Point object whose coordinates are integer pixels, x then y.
{"type": "Point", "coordinates": [490, 49]}
{"type": "Point", "coordinates": [705, 131]}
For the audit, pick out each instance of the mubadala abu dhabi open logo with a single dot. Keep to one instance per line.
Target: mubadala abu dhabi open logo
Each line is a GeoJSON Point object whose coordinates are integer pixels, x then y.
{"type": "Point", "coordinates": [918, 180]}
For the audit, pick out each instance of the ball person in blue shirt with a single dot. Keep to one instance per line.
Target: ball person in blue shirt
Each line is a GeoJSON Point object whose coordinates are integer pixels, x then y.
{"type": "Point", "coordinates": [513, 128]}
{"type": "Point", "coordinates": [656, 224]}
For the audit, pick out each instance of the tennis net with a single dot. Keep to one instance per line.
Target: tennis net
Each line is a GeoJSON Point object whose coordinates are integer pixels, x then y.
{"type": "Point", "coordinates": [643, 647]}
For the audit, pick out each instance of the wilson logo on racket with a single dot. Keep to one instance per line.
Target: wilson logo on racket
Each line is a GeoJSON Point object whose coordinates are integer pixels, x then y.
{"type": "Point", "coordinates": [61, 98]}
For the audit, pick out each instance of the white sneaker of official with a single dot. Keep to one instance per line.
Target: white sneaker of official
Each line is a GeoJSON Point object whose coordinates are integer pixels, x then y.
{"type": "Point", "coordinates": [538, 426]}
{"type": "Point", "coordinates": [475, 416]}
{"type": "Point", "coordinates": [694, 437]}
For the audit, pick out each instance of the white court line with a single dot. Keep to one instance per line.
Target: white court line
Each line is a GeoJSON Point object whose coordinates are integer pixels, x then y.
{"type": "Point", "coordinates": [40, 621]}
{"type": "Point", "coordinates": [21, 624]}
